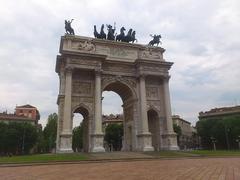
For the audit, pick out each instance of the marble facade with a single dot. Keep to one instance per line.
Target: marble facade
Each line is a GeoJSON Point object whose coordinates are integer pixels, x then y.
{"type": "Point", "coordinates": [138, 73]}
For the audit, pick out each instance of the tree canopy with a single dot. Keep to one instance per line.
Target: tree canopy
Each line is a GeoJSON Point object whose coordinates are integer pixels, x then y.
{"type": "Point", "coordinates": [225, 132]}
{"type": "Point", "coordinates": [17, 138]}
{"type": "Point", "coordinates": [50, 133]}
{"type": "Point", "coordinates": [77, 139]}
{"type": "Point", "coordinates": [113, 136]}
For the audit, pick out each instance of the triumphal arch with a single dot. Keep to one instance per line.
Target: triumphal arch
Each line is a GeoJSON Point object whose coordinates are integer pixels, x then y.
{"type": "Point", "coordinates": [138, 73]}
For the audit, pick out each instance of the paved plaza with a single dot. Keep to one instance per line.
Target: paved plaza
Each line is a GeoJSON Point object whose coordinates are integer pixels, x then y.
{"type": "Point", "coordinates": [175, 169]}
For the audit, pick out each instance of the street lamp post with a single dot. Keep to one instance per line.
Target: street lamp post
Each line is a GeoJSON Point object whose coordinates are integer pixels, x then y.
{"type": "Point", "coordinates": [238, 141]}
{"type": "Point", "coordinates": [23, 141]}
{"type": "Point", "coordinates": [226, 136]}
{"type": "Point", "coordinates": [214, 143]}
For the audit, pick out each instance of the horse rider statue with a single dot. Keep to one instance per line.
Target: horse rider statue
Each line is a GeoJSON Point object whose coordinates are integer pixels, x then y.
{"type": "Point", "coordinates": [68, 27]}
{"type": "Point", "coordinates": [156, 40]}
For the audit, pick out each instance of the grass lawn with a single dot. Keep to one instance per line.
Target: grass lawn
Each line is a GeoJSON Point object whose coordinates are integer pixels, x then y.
{"type": "Point", "coordinates": [43, 158]}
{"type": "Point", "coordinates": [215, 153]}
{"type": "Point", "coordinates": [169, 154]}
{"type": "Point", "coordinates": [194, 153]}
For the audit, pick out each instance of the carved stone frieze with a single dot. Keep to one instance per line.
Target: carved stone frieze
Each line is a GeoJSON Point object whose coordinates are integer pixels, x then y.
{"type": "Point", "coordinates": [106, 79]}
{"type": "Point", "coordinates": [87, 101]}
{"type": "Point", "coordinates": [156, 105]}
{"type": "Point", "coordinates": [80, 87]}
{"type": "Point", "coordinates": [87, 46]}
{"type": "Point", "coordinates": [118, 52]}
{"type": "Point", "coordinates": [118, 68]}
{"type": "Point", "coordinates": [154, 69]}
{"type": "Point", "coordinates": [152, 92]}
{"type": "Point", "coordinates": [150, 54]}
{"type": "Point", "coordinates": [85, 62]}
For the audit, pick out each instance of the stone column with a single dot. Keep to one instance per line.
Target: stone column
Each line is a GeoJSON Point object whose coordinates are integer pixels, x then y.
{"type": "Point", "coordinates": [97, 137]}
{"type": "Point", "coordinates": [66, 134]}
{"type": "Point", "coordinates": [145, 137]}
{"type": "Point", "coordinates": [170, 137]}
{"type": "Point", "coordinates": [62, 82]}
{"type": "Point", "coordinates": [143, 105]}
{"type": "Point", "coordinates": [168, 112]}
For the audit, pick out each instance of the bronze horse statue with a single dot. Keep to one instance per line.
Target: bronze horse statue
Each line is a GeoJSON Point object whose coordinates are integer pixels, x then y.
{"type": "Point", "coordinates": [102, 34]}
{"type": "Point", "coordinates": [68, 27]}
{"type": "Point", "coordinates": [130, 37]}
{"type": "Point", "coordinates": [133, 38]}
{"type": "Point", "coordinates": [120, 36]}
{"type": "Point", "coordinates": [127, 38]}
{"type": "Point", "coordinates": [156, 40]}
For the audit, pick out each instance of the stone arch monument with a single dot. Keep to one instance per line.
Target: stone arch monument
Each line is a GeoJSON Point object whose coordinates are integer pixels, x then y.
{"type": "Point", "coordinates": [138, 73]}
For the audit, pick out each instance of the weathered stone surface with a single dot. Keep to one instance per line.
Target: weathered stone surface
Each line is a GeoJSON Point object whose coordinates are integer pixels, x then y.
{"type": "Point", "coordinates": [138, 73]}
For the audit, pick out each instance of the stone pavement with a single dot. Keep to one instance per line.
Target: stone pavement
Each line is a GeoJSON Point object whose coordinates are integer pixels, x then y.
{"type": "Point", "coordinates": [120, 155]}
{"type": "Point", "coordinates": [175, 169]}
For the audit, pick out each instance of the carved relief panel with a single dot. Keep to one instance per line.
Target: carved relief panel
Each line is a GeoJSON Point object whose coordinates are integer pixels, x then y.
{"type": "Point", "coordinates": [82, 88]}
{"type": "Point", "coordinates": [152, 92]}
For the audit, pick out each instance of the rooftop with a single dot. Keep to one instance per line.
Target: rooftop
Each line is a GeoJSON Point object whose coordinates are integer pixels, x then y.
{"type": "Point", "coordinates": [220, 111]}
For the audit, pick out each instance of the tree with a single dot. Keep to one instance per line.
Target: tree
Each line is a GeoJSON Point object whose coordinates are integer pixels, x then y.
{"type": "Point", "coordinates": [225, 131]}
{"type": "Point", "coordinates": [77, 139]}
{"type": "Point", "coordinates": [3, 132]}
{"type": "Point", "coordinates": [113, 135]}
{"type": "Point", "coordinates": [17, 138]}
{"type": "Point", "coordinates": [177, 129]}
{"type": "Point", "coordinates": [50, 132]}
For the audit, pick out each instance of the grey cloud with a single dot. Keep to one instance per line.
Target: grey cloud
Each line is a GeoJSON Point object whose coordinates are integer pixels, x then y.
{"type": "Point", "coordinates": [201, 37]}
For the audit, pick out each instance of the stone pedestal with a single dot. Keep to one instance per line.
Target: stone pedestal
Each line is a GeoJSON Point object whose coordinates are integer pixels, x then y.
{"type": "Point", "coordinates": [169, 142]}
{"type": "Point", "coordinates": [97, 143]}
{"type": "Point", "coordinates": [65, 143]}
{"type": "Point", "coordinates": [145, 142]}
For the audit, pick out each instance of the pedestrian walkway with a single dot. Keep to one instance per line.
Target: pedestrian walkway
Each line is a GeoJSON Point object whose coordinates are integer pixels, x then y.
{"type": "Point", "coordinates": [120, 155]}
{"type": "Point", "coordinates": [175, 169]}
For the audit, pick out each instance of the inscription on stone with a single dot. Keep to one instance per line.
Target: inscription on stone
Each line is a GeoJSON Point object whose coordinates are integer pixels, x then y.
{"type": "Point", "coordinates": [118, 52]}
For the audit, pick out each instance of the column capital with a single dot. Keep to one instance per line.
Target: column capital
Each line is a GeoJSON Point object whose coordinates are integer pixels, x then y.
{"type": "Point", "coordinates": [142, 76]}
{"type": "Point", "coordinates": [98, 72]}
{"type": "Point", "coordinates": [68, 69]}
{"type": "Point", "coordinates": [166, 77]}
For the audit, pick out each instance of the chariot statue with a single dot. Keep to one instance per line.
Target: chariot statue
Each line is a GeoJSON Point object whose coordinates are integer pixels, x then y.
{"type": "Point", "coordinates": [111, 31]}
{"type": "Point", "coordinates": [130, 37]}
{"type": "Point", "coordinates": [68, 27]}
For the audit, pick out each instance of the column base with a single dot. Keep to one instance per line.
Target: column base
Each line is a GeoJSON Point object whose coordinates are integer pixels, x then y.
{"type": "Point", "coordinates": [65, 143]}
{"type": "Point", "coordinates": [64, 151]}
{"type": "Point", "coordinates": [169, 142]}
{"type": "Point", "coordinates": [145, 142]}
{"type": "Point", "coordinates": [97, 143]}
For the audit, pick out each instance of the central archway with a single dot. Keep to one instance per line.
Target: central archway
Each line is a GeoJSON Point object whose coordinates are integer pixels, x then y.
{"type": "Point", "coordinates": [127, 95]}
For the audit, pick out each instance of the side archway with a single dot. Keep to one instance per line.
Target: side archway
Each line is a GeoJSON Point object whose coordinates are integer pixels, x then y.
{"type": "Point", "coordinates": [84, 111]}
{"type": "Point", "coordinates": [154, 128]}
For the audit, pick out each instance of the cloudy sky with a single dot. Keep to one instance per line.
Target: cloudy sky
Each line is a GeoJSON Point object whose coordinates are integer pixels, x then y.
{"type": "Point", "coordinates": [202, 38]}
